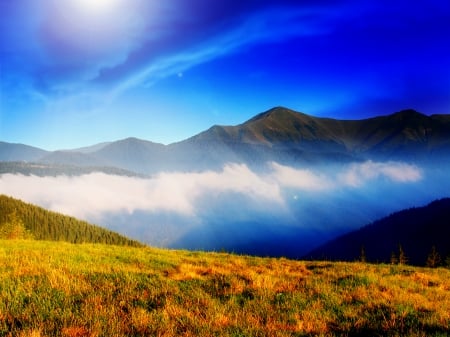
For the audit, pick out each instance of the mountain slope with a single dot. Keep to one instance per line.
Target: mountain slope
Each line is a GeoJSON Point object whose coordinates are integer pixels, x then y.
{"type": "Point", "coordinates": [90, 149]}
{"type": "Point", "coordinates": [417, 230]}
{"type": "Point", "coordinates": [71, 158]}
{"type": "Point", "coordinates": [41, 224]}
{"type": "Point", "coordinates": [19, 152]}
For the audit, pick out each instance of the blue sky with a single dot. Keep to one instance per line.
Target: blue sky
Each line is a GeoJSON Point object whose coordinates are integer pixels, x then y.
{"type": "Point", "coordinates": [78, 72]}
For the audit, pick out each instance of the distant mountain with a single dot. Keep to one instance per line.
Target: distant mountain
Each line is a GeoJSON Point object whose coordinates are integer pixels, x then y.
{"type": "Point", "coordinates": [90, 149]}
{"type": "Point", "coordinates": [19, 219]}
{"type": "Point", "coordinates": [71, 158]}
{"type": "Point", "coordinates": [417, 230]}
{"type": "Point", "coordinates": [278, 134]}
{"type": "Point", "coordinates": [18, 152]}
{"type": "Point", "coordinates": [132, 154]}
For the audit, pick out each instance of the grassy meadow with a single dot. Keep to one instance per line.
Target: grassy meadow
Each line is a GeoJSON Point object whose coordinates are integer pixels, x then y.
{"type": "Point", "coordinates": [74, 290]}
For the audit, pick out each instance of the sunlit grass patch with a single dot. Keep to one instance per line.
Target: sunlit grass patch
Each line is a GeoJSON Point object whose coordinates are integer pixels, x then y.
{"type": "Point", "coordinates": [60, 289]}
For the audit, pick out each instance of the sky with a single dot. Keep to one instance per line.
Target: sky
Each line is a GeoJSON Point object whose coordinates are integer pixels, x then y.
{"type": "Point", "coordinates": [78, 72]}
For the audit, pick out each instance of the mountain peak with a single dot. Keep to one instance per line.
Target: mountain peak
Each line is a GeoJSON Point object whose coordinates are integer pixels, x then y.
{"type": "Point", "coordinates": [408, 113]}
{"type": "Point", "coordinates": [276, 112]}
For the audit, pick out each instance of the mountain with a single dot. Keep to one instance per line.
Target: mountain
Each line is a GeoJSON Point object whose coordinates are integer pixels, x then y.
{"type": "Point", "coordinates": [21, 220]}
{"type": "Point", "coordinates": [90, 149]}
{"type": "Point", "coordinates": [416, 230]}
{"type": "Point", "coordinates": [132, 154]}
{"type": "Point", "coordinates": [71, 158]}
{"type": "Point", "coordinates": [279, 134]}
{"type": "Point", "coordinates": [290, 137]}
{"type": "Point", "coordinates": [404, 132]}
{"type": "Point", "coordinates": [19, 152]}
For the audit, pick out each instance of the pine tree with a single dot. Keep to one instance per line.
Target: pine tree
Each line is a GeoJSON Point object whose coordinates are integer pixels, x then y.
{"type": "Point", "coordinates": [447, 262]}
{"type": "Point", "coordinates": [402, 258]}
{"type": "Point", "coordinates": [363, 257]}
{"type": "Point", "coordinates": [394, 259]}
{"type": "Point", "coordinates": [434, 258]}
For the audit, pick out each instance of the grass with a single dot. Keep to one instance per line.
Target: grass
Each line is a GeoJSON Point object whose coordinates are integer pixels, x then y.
{"type": "Point", "coordinates": [61, 289]}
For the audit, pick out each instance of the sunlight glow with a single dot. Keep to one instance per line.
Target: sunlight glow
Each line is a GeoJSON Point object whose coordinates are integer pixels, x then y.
{"type": "Point", "coordinates": [97, 6]}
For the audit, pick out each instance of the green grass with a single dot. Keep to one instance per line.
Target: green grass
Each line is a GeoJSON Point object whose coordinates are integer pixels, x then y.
{"type": "Point", "coordinates": [62, 289]}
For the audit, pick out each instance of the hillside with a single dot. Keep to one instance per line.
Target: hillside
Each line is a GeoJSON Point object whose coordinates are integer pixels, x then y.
{"type": "Point", "coordinates": [60, 289]}
{"type": "Point", "coordinates": [17, 152]}
{"type": "Point", "coordinates": [279, 134]}
{"type": "Point", "coordinates": [22, 220]}
{"type": "Point", "coordinates": [416, 230]}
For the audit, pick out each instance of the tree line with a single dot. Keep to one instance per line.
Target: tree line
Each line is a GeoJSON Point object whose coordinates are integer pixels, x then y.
{"type": "Point", "coordinates": [434, 258]}
{"type": "Point", "coordinates": [20, 220]}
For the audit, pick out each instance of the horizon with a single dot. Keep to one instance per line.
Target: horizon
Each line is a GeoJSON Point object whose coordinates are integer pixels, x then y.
{"type": "Point", "coordinates": [76, 73]}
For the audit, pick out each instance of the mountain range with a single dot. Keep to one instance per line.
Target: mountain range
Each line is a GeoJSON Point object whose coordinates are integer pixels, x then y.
{"type": "Point", "coordinates": [279, 134]}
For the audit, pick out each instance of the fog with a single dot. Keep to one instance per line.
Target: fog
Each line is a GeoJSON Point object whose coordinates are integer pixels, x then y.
{"type": "Point", "coordinates": [278, 210]}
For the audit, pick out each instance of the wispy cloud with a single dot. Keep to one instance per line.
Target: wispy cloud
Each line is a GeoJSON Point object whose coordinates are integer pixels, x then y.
{"type": "Point", "coordinates": [262, 26]}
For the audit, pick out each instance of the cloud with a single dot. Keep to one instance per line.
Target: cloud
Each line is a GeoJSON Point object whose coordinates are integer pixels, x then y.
{"type": "Point", "coordinates": [358, 174]}
{"type": "Point", "coordinates": [302, 179]}
{"type": "Point", "coordinates": [91, 195]}
{"type": "Point", "coordinates": [261, 26]}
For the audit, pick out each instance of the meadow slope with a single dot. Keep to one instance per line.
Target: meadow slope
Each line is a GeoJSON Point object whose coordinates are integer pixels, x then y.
{"type": "Point", "coordinates": [62, 289]}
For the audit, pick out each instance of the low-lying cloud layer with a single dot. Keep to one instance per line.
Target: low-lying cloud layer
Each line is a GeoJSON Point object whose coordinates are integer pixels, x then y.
{"type": "Point", "coordinates": [91, 195]}
{"type": "Point", "coordinates": [277, 210]}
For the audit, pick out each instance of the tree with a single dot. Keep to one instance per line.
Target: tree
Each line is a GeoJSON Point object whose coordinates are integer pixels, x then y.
{"type": "Point", "coordinates": [363, 257]}
{"type": "Point", "coordinates": [402, 258]}
{"type": "Point", "coordinates": [13, 228]}
{"type": "Point", "coordinates": [434, 258]}
{"type": "Point", "coordinates": [394, 259]}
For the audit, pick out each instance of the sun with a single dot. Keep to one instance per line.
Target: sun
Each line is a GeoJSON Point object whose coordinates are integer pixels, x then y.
{"type": "Point", "coordinates": [97, 7]}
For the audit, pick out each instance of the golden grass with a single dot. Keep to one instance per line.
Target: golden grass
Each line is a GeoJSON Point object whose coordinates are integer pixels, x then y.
{"type": "Point", "coordinates": [60, 289]}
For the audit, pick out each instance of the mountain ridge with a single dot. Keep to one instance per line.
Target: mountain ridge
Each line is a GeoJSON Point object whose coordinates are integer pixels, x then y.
{"type": "Point", "coordinates": [278, 134]}
{"type": "Point", "coordinates": [18, 152]}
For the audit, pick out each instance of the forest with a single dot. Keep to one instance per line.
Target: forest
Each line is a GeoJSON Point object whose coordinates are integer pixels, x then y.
{"type": "Point", "coordinates": [20, 220]}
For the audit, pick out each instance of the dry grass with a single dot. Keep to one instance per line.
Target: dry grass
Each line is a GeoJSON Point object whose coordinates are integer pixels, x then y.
{"type": "Point", "coordinates": [58, 289]}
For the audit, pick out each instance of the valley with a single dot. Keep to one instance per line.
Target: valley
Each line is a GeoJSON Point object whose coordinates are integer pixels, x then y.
{"type": "Point", "coordinates": [282, 183]}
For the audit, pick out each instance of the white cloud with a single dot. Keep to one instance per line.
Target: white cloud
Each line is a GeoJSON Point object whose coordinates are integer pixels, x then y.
{"type": "Point", "coordinates": [91, 195]}
{"type": "Point", "coordinates": [358, 174]}
{"type": "Point", "coordinates": [302, 179]}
